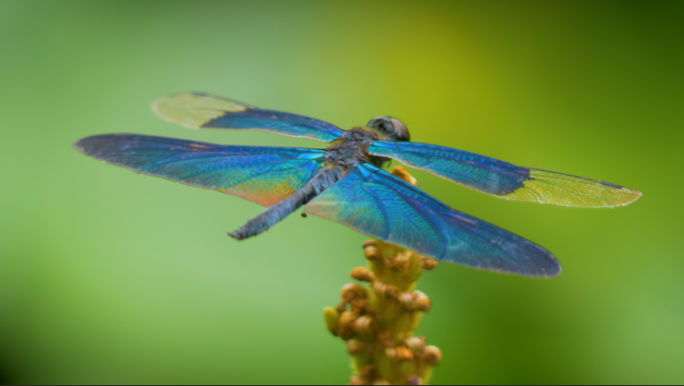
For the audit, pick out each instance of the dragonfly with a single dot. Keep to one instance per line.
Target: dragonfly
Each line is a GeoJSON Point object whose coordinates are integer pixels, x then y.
{"type": "Point", "coordinates": [346, 182]}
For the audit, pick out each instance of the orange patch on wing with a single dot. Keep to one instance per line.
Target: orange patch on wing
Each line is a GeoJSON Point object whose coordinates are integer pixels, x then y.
{"type": "Point", "coordinates": [258, 194]}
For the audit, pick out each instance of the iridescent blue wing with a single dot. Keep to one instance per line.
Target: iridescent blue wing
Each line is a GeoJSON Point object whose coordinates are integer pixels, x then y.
{"type": "Point", "coordinates": [506, 180]}
{"type": "Point", "coordinates": [380, 205]}
{"type": "Point", "coordinates": [265, 175]}
{"type": "Point", "coordinates": [204, 111]}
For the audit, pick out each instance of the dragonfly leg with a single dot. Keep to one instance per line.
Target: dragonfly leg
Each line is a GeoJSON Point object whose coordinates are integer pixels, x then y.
{"type": "Point", "coordinates": [324, 179]}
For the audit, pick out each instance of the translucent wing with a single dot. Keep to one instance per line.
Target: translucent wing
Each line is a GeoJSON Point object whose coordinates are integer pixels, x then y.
{"type": "Point", "coordinates": [264, 175]}
{"type": "Point", "coordinates": [380, 205]}
{"type": "Point", "coordinates": [204, 111]}
{"type": "Point", "coordinates": [506, 180]}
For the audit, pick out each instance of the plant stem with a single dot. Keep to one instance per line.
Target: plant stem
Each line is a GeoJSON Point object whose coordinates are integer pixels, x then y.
{"type": "Point", "coordinates": [378, 322]}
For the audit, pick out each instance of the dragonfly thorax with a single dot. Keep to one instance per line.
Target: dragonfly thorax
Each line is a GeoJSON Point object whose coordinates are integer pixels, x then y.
{"type": "Point", "coordinates": [352, 149]}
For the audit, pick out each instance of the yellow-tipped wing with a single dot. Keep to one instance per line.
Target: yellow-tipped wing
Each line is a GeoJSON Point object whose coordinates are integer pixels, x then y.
{"type": "Point", "coordinates": [193, 110]}
{"type": "Point", "coordinates": [205, 111]}
{"type": "Point", "coordinates": [506, 180]}
{"type": "Point", "coordinates": [548, 187]}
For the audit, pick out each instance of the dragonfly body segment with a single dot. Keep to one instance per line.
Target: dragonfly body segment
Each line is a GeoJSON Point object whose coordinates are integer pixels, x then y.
{"type": "Point", "coordinates": [346, 153]}
{"type": "Point", "coordinates": [324, 179]}
{"type": "Point", "coordinates": [346, 183]}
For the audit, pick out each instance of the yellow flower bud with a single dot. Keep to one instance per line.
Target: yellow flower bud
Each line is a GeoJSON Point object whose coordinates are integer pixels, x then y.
{"type": "Point", "coordinates": [355, 347]}
{"type": "Point", "coordinates": [360, 306]}
{"type": "Point", "coordinates": [400, 172]}
{"type": "Point", "coordinates": [344, 327]}
{"type": "Point", "coordinates": [341, 307]}
{"type": "Point", "coordinates": [353, 291]}
{"type": "Point", "coordinates": [364, 327]}
{"type": "Point", "coordinates": [400, 262]}
{"type": "Point", "coordinates": [403, 354]}
{"type": "Point", "coordinates": [331, 317]}
{"type": "Point", "coordinates": [415, 343]}
{"type": "Point", "coordinates": [362, 274]}
{"type": "Point", "coordinates": [432, 355]}
{"type": "Point", "coordinates": [385, 291]}
{"type": "Point", "coordinates": [421, 301]}
{"type": "Point", "coordinates": [429, 263]}
{"type": "Point", "coordinates": [368, 243]}
{"type": "Point", "coordinates": [408, 301]}
{"type": "Point", "coordinates": [391, 353]}
{"type": "Point", "coordinates": [370, 250]}
{"type": "Point", "coordinates": [368, 373]}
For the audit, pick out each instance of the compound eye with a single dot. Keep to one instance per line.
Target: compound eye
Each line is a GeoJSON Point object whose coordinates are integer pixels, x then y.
{"type": "Point", "coordinates": [401, 130]}
{"type": "Point", "coordinates": [380, 123]}
{"type": "Point", "coordinates": [389, 128]}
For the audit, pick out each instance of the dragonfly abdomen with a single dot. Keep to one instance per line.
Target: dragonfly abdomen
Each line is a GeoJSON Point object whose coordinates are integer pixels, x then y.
{"type": "Point", "coordinates": [324, 179]}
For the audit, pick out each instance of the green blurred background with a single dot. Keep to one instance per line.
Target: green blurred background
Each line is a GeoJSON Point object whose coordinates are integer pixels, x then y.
{"type": "Point", "coordinates": [111, 277]}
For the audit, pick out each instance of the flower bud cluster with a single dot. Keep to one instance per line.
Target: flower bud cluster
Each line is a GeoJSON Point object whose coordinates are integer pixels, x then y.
{"type": "Point", "coordinates": [378, 321]}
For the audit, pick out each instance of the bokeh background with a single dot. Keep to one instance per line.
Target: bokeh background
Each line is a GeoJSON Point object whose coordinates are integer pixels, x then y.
{"type": "Point", "coordinates": [111, 277]}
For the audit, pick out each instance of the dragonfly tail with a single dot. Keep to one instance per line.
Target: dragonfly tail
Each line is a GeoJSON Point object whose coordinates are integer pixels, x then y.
{"type": "Point", "coordinates": [324, 179]}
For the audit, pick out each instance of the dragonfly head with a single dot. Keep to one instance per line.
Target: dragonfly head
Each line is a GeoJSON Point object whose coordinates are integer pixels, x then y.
{"type": "Point", "coordinates": [390, 129]}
